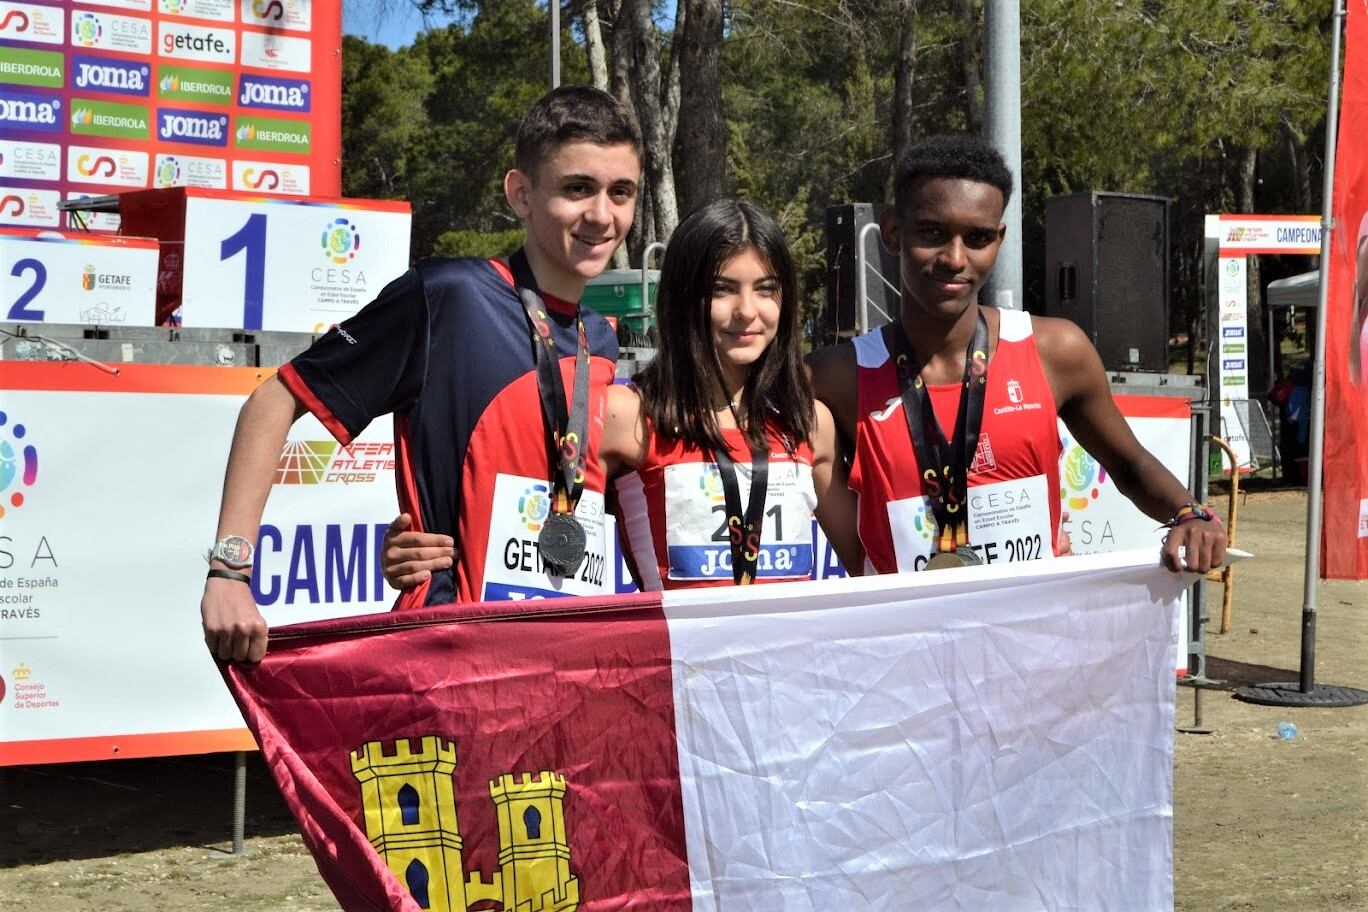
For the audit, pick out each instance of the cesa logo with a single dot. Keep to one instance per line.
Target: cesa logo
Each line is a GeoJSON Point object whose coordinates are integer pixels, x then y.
{"type": "Point", "coordinates": [275, 94]}
{"type": "Point", "coordinates": [168, 171]}
{"type": "Point", "coordinates": [96, 165]}
{"type": "Point", "coordinates": [18, 463]}
{"type": "Point", "coordinates": [341, 241]}
{"type": "Point", "coordinates": [111, 76]}
{"type": "Point", "coordinates": [86, 29]}
{"type": "Point", "coordinates": [192, 127]}
{"type": "Point", "coordinates": [265, 179]}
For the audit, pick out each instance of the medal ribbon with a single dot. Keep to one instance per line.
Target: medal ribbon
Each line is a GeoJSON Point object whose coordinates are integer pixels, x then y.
{"type": "Point", "coordinates": [944, 464]}
{"type": "Point", "coordinates": [744, 530]}
{"type": "Point", "coordinates": [567, 430]}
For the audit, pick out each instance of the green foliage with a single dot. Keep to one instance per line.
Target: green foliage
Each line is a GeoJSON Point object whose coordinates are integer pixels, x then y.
{"type": "Point", "coordinates": [1139, 96]}
{"type": "Point", "coordinates": [487, 244]}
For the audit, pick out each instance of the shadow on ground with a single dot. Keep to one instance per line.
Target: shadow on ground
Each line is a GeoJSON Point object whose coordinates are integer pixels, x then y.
{"type": "Point", "coordinates": [72, 811]}
{"type": "Point", "coordinates": [1230, 674]}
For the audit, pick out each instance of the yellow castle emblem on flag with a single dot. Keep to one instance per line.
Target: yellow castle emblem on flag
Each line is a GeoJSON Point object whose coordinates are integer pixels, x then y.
{"type": "Point", "coordinates": [409, 801]}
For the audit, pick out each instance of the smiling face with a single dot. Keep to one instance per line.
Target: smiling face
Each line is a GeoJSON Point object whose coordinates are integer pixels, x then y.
{"type": "Point", "coordinates": [745, 307]}
{"type": "Point", "coordinates": [577, 209]}
{"type": "Point", "coordinates": [947, 238]}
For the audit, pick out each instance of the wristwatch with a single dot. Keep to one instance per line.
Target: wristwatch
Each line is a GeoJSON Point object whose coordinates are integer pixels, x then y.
{"type": "Point", "coordinates": [235, 551]}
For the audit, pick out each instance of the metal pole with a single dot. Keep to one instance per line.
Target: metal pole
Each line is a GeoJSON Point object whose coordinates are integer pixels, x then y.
{"type": "Point", "coordinates": [554, 6]}
{"type": "Point", "coordinates": [653, 247]}
{"type": "Point", "coordinates": [1317, 454]}
{"type": "Point", "coordinates": [1002, 81]}
{"type": "Point", "coordinates": [862, 278]}
{"type": "Point", "coordinates": [239, 801]}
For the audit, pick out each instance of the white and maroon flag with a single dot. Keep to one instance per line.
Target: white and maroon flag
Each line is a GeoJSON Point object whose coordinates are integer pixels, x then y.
{"type": "Point", "coordinates": [993, 738]}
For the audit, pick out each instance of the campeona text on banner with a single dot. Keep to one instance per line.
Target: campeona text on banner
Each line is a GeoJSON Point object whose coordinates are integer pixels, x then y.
{"type": "Point", "coordinates": [997, 737]}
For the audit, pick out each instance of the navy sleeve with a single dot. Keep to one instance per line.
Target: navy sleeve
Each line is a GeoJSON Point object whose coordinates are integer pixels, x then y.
{"type": "Point", "coordinates": [602, 339]}
{"type": "Point", "coordinates": [371, 364]}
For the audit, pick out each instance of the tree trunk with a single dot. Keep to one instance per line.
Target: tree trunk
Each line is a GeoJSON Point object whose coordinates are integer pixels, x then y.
{"type": "Point", "coordinates": [903, 77]}
{"type": "Point", "coordinates": [598, 72]}
{"type": "Point", "coordinates": [1256, 354]}
{"type": "Point", "coordinates": [593, 40]}
{"type": "Point", "coordinates": [969, 65]}
{"type": "Point", "coordinates": [671, 97]}
{"type": "Point", "coordinates": [702, 159]}
{"type": "Point", "coordinates": [636, 36]}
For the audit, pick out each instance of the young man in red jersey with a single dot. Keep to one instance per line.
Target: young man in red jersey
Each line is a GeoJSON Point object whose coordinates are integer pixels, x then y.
{"type": "Point", "coordinates": [471, 357]}
{"type": "Point", "coordinates": [951, 408]}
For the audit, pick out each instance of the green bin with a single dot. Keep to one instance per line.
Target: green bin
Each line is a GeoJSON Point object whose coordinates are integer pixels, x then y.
{"type": "Point", "coordinates": [617, 294]}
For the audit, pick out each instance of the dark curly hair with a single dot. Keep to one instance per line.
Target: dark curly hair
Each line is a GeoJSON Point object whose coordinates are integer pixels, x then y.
{"type": "Point", "coordinates": [958, 156]}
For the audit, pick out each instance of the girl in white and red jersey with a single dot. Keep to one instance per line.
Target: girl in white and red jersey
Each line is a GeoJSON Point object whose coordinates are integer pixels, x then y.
{"type": "Point", "coordinates": [719, 455]}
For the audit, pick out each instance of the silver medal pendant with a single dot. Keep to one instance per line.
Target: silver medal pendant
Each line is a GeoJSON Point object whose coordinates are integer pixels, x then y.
{"type": "Point", "coordinates": [561, 543]}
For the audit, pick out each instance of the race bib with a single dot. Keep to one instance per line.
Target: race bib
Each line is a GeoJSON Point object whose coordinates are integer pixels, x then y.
{"type": "Point", "coordinates": [696, 539]}
{"type": "Point", "coordinates": [513, 565]}
{"type": "Point", "coordinates": [1008, 521]}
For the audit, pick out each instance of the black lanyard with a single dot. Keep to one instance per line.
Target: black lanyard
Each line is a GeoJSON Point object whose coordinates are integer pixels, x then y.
{"type": "Point", "coordinates": [744, 530]}
{"type": "Point", "coordinates": [567, 431]}
{"type": "Point", "coordinates": [944, 464]}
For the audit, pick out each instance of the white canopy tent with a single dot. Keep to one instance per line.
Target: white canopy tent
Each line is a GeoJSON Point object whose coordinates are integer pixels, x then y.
{"type": "Point", "coordinates": [1295, 291]}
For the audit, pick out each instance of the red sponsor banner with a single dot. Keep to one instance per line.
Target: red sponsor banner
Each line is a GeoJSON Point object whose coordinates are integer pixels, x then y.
{"type": "Point", "coordinates": [103, 97]}
{"type": "Point", "coordinates": [1344, 554]}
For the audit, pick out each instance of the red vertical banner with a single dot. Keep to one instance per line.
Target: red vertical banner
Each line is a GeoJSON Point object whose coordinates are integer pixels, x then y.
{"type": "Point", "coordinates": [1344, 534]}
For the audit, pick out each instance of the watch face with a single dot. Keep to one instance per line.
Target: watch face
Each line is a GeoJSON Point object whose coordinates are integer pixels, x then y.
{"type": "Point", "coordinates": [235, 550]}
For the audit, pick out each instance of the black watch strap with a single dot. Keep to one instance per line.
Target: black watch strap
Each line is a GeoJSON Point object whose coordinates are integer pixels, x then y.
{"type": "Point", "coordinates": [216, 573]}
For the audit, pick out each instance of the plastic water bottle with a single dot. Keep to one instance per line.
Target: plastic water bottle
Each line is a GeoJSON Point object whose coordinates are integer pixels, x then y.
{"type": "Point", "coordinates": [1287, 731]}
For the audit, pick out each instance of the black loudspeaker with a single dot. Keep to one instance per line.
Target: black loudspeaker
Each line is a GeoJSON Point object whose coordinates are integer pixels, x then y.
{"type": "Point", "coordinates": [1107, 269]}
{"type": "Point", "coordinates": [842, 312]}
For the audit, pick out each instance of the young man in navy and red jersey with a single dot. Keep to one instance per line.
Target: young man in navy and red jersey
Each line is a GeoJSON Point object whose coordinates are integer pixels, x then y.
{"type": "Point", "coordinates": [451, 348]}
{"type": "Point", "coordinates": [893, 389]}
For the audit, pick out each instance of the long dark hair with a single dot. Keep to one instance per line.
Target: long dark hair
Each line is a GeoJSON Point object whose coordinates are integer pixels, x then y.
{"type": "Point", "coordinates": [675, 386]}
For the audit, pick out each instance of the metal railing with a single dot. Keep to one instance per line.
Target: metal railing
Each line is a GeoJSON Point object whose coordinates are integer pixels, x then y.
{"type": "Point", "coordinates": [862, 269]}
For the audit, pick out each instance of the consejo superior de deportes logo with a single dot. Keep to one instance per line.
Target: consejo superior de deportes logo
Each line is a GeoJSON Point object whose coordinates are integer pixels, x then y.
{"type": "Point", "coordinates": [14, 472]}
{"type": "Point", "coordinates": [341, 241]}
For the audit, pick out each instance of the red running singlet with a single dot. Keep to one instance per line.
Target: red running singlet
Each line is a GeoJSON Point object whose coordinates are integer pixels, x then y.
{"type": "Point", "coordinates": [672, 514]}
{"type": "Point", "coordinates": [1014, 506]}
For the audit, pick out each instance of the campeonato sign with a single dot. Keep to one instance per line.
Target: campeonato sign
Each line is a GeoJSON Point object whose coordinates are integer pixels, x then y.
{"type": "Point", "coordinates": [1241, 235]}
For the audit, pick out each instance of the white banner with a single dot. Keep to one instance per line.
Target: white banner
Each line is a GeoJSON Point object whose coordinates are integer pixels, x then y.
{"type": "Point", "coordinates": [278, 264]}
{"type": "Point", "coordinates": [102, 557]}
{"type": "Point", "coordinates": [51, 278]}
{"type": "Point", "coordinates": [995, 737]}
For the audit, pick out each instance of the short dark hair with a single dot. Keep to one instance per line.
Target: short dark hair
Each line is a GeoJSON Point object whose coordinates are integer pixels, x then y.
{"type": "Point", "coordinates": [951, 155]}
{"type": "Point", "coordinates": [572, 114]}
{"type": "Point", "coordinates": [675, 385]}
